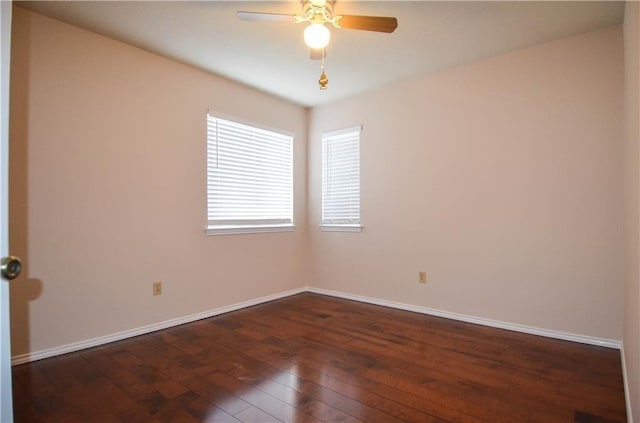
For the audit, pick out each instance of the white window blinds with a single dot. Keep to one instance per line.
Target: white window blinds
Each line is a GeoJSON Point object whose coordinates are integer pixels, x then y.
{"type": "Point", "coordinates": [341, 177]}
{"type": "Point", "coordinates": [249, 177]}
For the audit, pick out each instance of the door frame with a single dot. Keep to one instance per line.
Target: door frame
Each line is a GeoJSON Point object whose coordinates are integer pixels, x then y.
{"type": "Point", "coordinates": [6, 390]}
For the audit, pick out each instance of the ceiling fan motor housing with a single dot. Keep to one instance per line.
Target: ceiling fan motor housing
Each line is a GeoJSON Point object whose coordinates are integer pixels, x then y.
{"type": "Point", "coordinates": [317, 11]}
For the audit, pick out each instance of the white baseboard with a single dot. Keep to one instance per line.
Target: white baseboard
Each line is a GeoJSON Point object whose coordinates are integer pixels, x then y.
{"type": "Point", "coordinates": [583, 339]}
{"type": "Point", "coordinates": [77, 346]}
{"type": "Point", "coordinates": [625, 379]}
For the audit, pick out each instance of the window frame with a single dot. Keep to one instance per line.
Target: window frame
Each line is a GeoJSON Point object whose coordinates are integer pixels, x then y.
{"type": "Point", "coordinates": [232, 226]}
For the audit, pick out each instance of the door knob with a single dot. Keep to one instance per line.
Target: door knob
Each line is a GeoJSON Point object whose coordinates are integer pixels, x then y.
{"type": "Point", "coordinates": [10, 267]}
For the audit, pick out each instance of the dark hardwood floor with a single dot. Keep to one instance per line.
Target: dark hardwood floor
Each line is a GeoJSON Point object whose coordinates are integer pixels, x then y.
{"type": "Point", "coordinates": [316, 358]}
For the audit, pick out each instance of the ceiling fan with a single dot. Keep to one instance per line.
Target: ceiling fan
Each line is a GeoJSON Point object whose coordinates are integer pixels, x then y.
{"type": "Point", "coordinates": [317, 13]}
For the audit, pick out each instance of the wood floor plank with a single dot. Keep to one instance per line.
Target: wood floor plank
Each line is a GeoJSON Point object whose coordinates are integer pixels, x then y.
{"type": "Point", "coordinates": [257, 398]}
{"type": "Point", "coordinates": [254, 414]}
{"type": "Point", "coordinates": [221, 398]}
{"type": "Point", "coordinates": [312, 358]}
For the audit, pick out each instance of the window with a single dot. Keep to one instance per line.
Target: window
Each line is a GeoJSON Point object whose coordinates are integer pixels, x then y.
{"type": "Point", "coordinates": [249, 178]}
{"type": "Point", "coordinates": [341, 180]}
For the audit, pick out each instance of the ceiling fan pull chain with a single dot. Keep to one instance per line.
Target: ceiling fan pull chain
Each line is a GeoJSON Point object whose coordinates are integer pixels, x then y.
{"type": "Point", "coordinates": [323, 81]}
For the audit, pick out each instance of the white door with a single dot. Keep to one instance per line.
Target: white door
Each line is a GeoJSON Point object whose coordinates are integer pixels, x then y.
{"type": "Point", "coordinates": [6, 404]}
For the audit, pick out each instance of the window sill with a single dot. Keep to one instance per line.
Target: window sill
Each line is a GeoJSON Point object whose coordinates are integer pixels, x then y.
{"type": "Point", "coordinates": [341, 228]}
{"type": "Point", "coordinates": [238, 230]}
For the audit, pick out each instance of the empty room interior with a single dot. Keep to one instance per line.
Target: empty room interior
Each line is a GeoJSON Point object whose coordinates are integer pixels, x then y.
{"type": "Point", "coordinates": [443, 225]}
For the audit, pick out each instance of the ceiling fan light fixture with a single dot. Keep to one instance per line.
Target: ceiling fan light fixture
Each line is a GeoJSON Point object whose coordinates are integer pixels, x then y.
{"type": "Point", "coordinates": [317, 35]}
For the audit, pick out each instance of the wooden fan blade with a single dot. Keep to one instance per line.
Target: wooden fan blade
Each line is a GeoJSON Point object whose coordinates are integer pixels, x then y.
{"type": "Point", "coordinates": [368, 23]}
{"type": "Point", "coordinates": [265, 17]}
{"type": "Point", "coordinates": [316, 53]}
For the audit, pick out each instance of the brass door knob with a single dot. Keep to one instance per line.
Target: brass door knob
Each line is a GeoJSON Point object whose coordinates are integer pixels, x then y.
{"type": "Point", "coordinates": [11, 267]}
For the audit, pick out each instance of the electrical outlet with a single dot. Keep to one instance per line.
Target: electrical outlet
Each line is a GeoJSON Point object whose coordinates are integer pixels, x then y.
{"type": "Point", "coordinates": [422, 277]}
{"type": "Point", "coordinates": [157, 288]}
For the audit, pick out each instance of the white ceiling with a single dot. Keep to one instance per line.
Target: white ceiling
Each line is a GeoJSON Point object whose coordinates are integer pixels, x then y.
{"type": "Point", "coordinates": [431, 35]}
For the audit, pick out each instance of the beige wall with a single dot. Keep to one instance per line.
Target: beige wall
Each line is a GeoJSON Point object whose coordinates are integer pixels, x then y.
{"type": "Point", "coordinates": [502, 179]}
{"type": "Point", "coordinates": [108, 189]}
{"type": "Point", "coordinates": [631, 337]}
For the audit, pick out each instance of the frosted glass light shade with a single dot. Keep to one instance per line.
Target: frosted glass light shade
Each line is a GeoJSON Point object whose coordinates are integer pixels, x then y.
{"type": "Point", "coordinates": [317, 36]}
